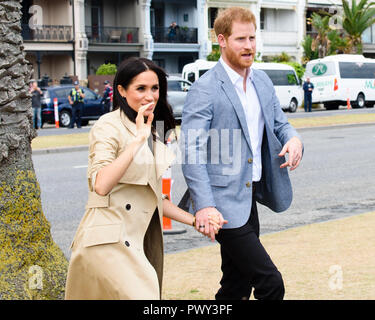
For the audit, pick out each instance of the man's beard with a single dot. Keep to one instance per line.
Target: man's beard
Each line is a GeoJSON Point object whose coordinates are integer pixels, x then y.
{"type": "Point", "coordinates": [236, 60]}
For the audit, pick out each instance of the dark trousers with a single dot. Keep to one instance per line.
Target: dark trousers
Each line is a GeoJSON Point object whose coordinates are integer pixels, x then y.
{"type": "Point", "coordinates": [77, 110]}
{"type": "Point", "coordinates": [246, 264]}
{"type": "Point", "coordinates": [106, 107]}
{"type": "Point", "coordinates": [308, 102]}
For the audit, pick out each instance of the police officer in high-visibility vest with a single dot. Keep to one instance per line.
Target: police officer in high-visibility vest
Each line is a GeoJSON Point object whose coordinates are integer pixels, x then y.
{"type": "Point", "coordinates": [76, 100]}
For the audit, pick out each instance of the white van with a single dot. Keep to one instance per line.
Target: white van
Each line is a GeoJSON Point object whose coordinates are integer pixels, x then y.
{"type": "Point", "coordinates": [287, 85]}
{"type": "Point", "coordinates": [192, 71]}
{"type": "Point", "coordinates": [340, 77]}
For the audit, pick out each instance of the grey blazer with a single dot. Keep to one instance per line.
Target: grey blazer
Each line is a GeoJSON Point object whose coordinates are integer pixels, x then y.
{"type": "Point", "coordinates": [216, 149]}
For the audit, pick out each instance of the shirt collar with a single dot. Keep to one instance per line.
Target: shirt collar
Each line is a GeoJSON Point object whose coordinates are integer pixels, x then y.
{"type": "Point", "coordinates": [233, 75]}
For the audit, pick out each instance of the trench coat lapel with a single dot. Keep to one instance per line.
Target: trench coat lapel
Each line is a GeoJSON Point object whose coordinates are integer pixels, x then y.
{"type": "Point", "coordinates": [164, 158]}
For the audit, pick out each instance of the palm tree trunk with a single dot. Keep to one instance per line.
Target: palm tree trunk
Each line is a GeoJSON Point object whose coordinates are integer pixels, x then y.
{"type": "Point", "coordinates": [32, 266]}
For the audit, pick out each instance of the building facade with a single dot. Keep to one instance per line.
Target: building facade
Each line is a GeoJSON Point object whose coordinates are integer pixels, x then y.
{"type": "Point", "coordinates": [74, 37]}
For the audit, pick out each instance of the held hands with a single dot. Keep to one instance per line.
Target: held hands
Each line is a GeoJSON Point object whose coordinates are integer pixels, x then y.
{"type": "Point", "coordinates": [144, 128]}
{"type": "Point", "coordinates": [209, 221]}
{"type": "Point", "coordinates": [294, 148]}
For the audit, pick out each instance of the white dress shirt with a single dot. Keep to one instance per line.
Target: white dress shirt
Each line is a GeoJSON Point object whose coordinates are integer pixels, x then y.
{"type": "Point", "coordinates": [254, 117]}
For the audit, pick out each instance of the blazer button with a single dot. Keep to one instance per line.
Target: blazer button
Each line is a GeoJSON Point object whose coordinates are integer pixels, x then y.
{"type": "Point", "coordinates": [127, 243]}
{"type": "Point", "coordinates": [250, 160]}
{"type": "Point", "coordinates": [248, 184]}
{"type": "Point", "coordinates": [128, 206]}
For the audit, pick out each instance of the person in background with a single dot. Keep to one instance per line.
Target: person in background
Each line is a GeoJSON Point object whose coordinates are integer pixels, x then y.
{"type": "Point", "coordinates": [36, 104]}
{"type": "Point", "coordinates": [107, 97]}
{"type": "Point", "coordinates": [172, 32]}
{"type": "Point", "coordinates": [308, 88]}
{"type": "Point", "coordinates": [76, 97]}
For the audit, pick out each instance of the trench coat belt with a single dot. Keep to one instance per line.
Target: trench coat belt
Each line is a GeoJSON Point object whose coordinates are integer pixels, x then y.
{"type": "Point", "coordinates": [97, 201]}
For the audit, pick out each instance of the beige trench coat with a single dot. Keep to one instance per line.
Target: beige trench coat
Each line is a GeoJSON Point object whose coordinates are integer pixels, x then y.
{"type": "Point", "coordinates": [117, 252]}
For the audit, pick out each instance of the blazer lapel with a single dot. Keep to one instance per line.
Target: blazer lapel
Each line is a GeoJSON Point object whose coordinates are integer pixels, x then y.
{"type": "Point", "coordinates": [259, 88]}
{"type": "Point", "coordinates": [231, 93]}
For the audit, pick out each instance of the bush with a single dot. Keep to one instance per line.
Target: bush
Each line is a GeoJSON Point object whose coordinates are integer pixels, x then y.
{"type": "Point", "coordinates": [300, 70]}
{"type": "Point", "coordinates": [215, 53]}
{"type": "Point", "coordinates": [107, 69]}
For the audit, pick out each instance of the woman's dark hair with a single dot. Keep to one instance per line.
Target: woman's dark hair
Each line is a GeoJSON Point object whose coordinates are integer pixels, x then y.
{"type": "Point", "coordinates": [126, 72]}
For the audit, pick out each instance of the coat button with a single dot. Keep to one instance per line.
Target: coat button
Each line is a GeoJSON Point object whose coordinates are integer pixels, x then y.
{"type": "Point", "coordinates": [250, 160]}
{"type": "Point", "coordinates": [127, 243]}
{"type": "Point", "coordinates": [128, 206]}
{"type": "Point", "coordinates": [248, 184]}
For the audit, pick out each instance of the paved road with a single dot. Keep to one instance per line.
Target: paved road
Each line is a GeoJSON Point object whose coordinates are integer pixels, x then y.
{"type": "Point", "coordinates": [335, 179]}
{"type": "Point", "coordinates": [49, 129]}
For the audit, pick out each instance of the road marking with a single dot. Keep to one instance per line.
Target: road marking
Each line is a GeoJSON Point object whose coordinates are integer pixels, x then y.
{"type": "Point", "coordinates": [80, 167]}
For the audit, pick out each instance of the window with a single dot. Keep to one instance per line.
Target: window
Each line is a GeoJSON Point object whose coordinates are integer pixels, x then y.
{"type": "Point", "coordinates": [282, 77]}
{"type": "Point", "coordinates": [262, 19]}
{"type": "Point", "coordinates": [178, 86]}
{"type": "Point", "coordinates": [89, 95]}
{"type": "Point", "coordinates": [63, 93]}
{"type": "Point", "coordinates": [191, 77]}
{"type": "Point", "coordinates": [357, 70]}
{"type": "Point", "coordinates": [202, 72]}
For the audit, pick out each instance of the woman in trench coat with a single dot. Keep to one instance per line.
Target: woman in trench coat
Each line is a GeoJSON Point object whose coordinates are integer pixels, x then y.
{"type": "Point", "coordinates": [117, 252]}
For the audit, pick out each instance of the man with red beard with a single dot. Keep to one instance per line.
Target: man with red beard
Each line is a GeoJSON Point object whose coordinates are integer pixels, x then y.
{"type": "Point", "coordinates": [235, 137]}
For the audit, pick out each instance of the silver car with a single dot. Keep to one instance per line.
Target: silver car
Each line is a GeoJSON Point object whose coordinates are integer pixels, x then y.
{"type": "Point", "coordinates": [177, 91]}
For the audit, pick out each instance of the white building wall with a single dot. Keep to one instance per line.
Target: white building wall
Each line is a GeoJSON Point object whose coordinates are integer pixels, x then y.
{"type": "Point", "coordinates": [81, 42]}
{"type": "Point", "coordinates": [283, 30]}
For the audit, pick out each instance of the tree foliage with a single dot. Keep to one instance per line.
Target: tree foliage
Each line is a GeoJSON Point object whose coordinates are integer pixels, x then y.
{"type": "Point", "coordinates": [357, 18]}
{"type": "Point", "coordinates": [342, 36]}
{"type": "Point", "coordinates": [107, 69]}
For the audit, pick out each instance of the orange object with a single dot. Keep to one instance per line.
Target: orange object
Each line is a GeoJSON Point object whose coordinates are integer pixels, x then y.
{"type": "Point", "coordinates": [348, 104]}
{"type": "Point", "coordinates": [56, 110]}
{"type": "Point", "coordinates": [335, 85]}
{"type": "Point", "coordinates": [166, 189]}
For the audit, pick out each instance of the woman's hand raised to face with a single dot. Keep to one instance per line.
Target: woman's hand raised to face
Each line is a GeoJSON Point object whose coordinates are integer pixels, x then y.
{"type": "Point", "coordinates": [144, 128]}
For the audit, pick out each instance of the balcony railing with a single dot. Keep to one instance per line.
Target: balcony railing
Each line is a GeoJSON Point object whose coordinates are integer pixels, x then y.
{"type": "Point", "coordinates": [181, 35]}
{"type": "Point", "coordinates": [97, 34]}
{"type": "Point", "coordinates": [312, 34]}
{"type": "Point", "coordinates": [46, 33]}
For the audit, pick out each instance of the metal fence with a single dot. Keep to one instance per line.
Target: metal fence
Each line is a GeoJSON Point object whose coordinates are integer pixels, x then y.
{"type": "Point", "coordinates": [96, 34]}
{"type": "Point", "coordinates": [178, 35]}
{"type": "Point", "coordinates": [47, 33]}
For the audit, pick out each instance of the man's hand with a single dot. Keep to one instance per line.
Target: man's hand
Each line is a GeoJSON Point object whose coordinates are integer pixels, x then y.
{"type": "Point", "coordinates": [294, 148]}
{"type": "Point", "coordinates": [202, 221]}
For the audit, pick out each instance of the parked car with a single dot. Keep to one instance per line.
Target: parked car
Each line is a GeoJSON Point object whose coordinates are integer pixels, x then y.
{"type": "Point", "coordinates": [92, 109]}
{"type": "Point", "coordinates": [177, 91]}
